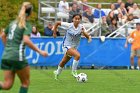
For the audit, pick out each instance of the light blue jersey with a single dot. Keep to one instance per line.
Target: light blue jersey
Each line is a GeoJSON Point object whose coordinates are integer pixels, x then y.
{"type": "Point", "coordinates": [72, 36]}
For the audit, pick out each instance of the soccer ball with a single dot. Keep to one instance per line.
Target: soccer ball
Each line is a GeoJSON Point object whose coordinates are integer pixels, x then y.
{"type": "Point", "coordinates": [130, 40]}
{"type": "Point", "coordinates": [82, 77]}
{"type": "Point", "coordinates": [102, 38]}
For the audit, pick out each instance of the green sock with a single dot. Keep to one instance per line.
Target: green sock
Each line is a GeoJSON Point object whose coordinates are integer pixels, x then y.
{"type": "Point", "coordinates": [23, 90]}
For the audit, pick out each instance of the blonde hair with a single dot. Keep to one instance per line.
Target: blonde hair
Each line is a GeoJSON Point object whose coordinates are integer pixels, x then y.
{"type": "Point", "coordinates": [21, 19]}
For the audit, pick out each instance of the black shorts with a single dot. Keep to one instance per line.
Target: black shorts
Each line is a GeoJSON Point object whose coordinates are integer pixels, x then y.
{"type": "Point", "coordinates": [13, 65]}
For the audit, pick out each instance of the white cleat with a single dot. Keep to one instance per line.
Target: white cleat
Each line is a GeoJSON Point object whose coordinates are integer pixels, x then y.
{"type": "Point", "coordinates": [55, 75]}
{"type": "Point", "coordinates": [138, 68]}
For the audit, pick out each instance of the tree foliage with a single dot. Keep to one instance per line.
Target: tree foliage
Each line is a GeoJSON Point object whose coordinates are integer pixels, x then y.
{"type": "Point", "coordinates": [9, 10]}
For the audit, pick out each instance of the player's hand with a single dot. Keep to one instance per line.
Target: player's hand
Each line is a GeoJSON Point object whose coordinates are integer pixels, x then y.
{"type": "Point", "coordinates": [126, 45]}
{"type": "Point", "coordinates": [43, 53]}
{"type": "Point", "coordinates": [89, 39]}
{"type": "Point", "coordinates": [54, 35]}
{"type": "Point", "coordinates": [54, 32]}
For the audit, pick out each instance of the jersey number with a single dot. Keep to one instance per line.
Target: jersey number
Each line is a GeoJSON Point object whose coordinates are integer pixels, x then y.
{"type": "Point", "coordinates": [11, 34]}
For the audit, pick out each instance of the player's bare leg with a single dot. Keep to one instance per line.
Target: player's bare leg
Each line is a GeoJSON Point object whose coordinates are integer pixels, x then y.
{"type": "Point", "coordinates": [138, 67]}
{"type": "Point", "coordinates": [76, 55]}
{"type": "Point", "coordinates": [24, 76]}
{"type": "Point", "coordinates": [65, 59]}
{"type": "Point", "coordinates": [9, 77]}
{"type": "Point", "coordinates": [132, 62]}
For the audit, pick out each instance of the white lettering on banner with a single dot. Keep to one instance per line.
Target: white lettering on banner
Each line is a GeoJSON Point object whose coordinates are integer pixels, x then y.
{"type": "Point", "coordinates": [53, 46]}
{"type": "Point", "coordinates": [59, 48]}
{"type": "Point", "coordinates": [35, 60]}
{"type": "Point", "coordinates": [30, 55]}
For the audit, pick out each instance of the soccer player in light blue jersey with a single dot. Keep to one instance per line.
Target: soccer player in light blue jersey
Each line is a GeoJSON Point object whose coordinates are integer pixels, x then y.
{"type": "Point", "coordinates": [70, 43]}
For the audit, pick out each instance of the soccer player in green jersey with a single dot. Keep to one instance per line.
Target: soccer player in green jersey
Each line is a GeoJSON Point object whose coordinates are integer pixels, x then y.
{"type": "Point", "coordinates": [13, 62]}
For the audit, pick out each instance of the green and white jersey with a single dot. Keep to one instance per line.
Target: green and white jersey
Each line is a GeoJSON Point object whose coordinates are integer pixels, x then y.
{"type": "Point", "coordinates": [14, 49]}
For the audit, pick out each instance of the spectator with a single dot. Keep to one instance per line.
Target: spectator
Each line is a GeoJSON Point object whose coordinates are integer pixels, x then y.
{"type": "Point", "coordinates": [73, 12]}
{"type": "Point", "coordinates": [129, 4]}
{"type": "Point", "coordinates": [84, 6]}
{"type": "Point", "coordinates": [35, 32]}
{"type": "Point", "coordinates": [130, 26]}
{"type": "Point", "coordinates": [113, 26]}
{"type": "Point", "coordinates": [117, 5]}
{"type": "Point", "coordinates": [71, 4]}
{"type": "Point", "coordinates": [109, 17]}
{"type": "Point", "coordinates": [104, 27]}
{"type": "Point", "coordinates": [63, 6]}
{"type": "Point", "coordinates": [48, 30]}
{"type": "Point", "coordinates": [75, 2]}
{"type": "Point", "coordinates": [135, 11]}
{"type": "Point", "coordinates": [123, 11]}
{"type": "Point", "coordinates": [130, 17]}
{"type": "Point", "coordinates": [98, 12]}
{"type": "Point", "coordinates": [121, 20]}
{"type": "Point", "coordinates": [88, 16]}
{"type": "Point", "coordinates": [112, 7]}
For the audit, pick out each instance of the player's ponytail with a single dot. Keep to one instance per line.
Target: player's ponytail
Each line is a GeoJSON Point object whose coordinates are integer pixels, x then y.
{"type": "Point", "coordinates": [25, 11]}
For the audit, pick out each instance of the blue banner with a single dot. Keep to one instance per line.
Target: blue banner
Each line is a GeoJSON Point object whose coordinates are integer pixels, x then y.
{"type": "Point", "coordinates": [108, 53]}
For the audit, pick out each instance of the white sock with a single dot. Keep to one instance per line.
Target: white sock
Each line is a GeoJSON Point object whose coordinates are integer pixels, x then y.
{"type": "Point", "coordinates": [74, 65]}
{"type": "Point", "coordinates": [59, 70]}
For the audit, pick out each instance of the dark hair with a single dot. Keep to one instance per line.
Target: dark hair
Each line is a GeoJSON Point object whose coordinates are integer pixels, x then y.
{"type": "Point", "coordinates": [77, 15]}
{"type": "Point", "coordinates": [36, 30]}
{"type": "Point", "coordinates": [113, 20]}
{"type": "Point", "coordinates": [28, 10]}
{"type": "Point", "coordinates": [128, 17]}
{"type": "Point", "coordinates": [138, 23]}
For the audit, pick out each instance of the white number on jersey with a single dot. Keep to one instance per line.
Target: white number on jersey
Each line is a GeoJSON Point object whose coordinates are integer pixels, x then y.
{"type": "Point", "coordinates": [12, 29]}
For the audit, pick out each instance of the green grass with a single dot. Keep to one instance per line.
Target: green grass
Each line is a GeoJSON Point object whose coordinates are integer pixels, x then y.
{"type": "Point", "coordinates": [99, 81]}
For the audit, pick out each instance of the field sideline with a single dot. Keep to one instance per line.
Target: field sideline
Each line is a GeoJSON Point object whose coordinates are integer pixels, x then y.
{"type": "Point", "coordinates": [99, 81]}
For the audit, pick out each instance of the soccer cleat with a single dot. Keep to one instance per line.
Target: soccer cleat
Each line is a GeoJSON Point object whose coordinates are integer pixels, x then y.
{"type": "Point", "coordinates": [74, 73]}
{"type": "Point", "coordinates": [55, 75]}
{"type": "Point", "coordinates": [132, 67]}
{"type": "Point", "coordinates": [138, 68]}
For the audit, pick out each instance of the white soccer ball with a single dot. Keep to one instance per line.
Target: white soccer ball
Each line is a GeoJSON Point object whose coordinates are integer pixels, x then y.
{"type": "Point", "coordinates": [102, 38]}
{"type": "Point", "coordinates": [130, 40]}
{"type": "Point", "coordinates": [82, 77]}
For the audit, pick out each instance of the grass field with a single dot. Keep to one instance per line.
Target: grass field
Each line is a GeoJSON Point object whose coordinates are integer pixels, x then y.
{"type": "Point", "coordinates": [99, 81]}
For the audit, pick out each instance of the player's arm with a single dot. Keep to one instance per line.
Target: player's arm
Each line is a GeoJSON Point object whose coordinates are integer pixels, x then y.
{"type": "Point", "coordinates": [126, 42]}
{"type": "Point", "coordinates": [28, 42]}
{"type": "Point", "coordinates": [3, 37]}
{"type": "Point", "coordinates": [129, 39]}
{"type": "Point", "coordinates": [86, 35]}
{"type": "Point", "coordinates": [54, 29]}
